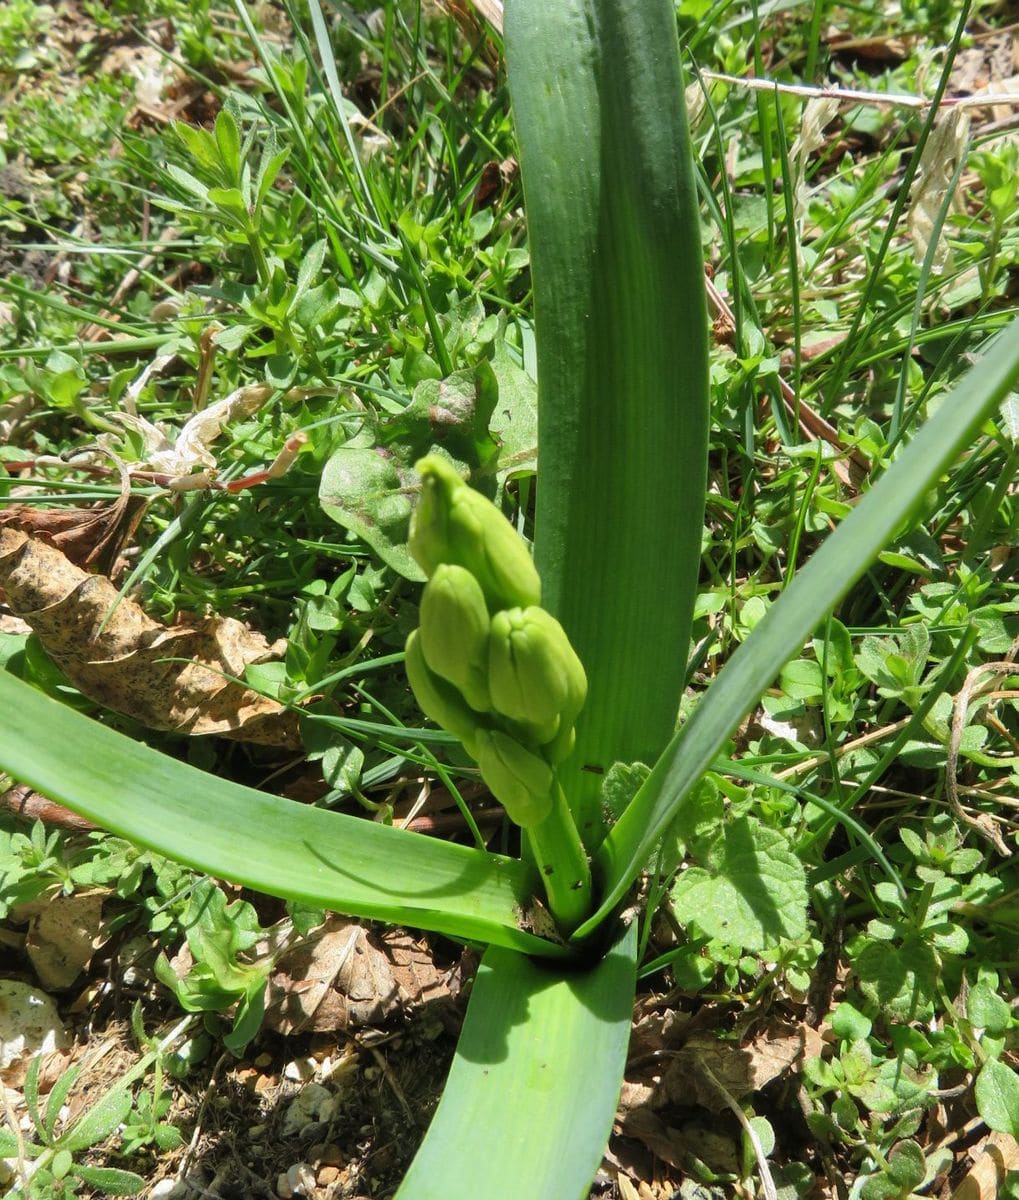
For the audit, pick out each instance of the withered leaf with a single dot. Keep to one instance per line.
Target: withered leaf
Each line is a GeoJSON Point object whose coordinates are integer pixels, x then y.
{"type": "Point", "coordinates": [63, 935]}
{"type": "Point", "coordinates": [342, 976]}
{"type": "Point", "coordinates": [88, 537]}
{"type": "Point", "coordinates": [178, 678]}
{"type": "Point", "coordinates": [740, 1069]}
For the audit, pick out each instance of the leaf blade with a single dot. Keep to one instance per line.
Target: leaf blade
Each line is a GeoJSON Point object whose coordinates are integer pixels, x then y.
{"type": "Point", "coordinates": [622, 329]}
{"type": "Point", "coordinates": [529, 1036]}
{"type": "Point", "coordinates": [224, 829]}
{"type": "Point", "coordinates": [839, 562]}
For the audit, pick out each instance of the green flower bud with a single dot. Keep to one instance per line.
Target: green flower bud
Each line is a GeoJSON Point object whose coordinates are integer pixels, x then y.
{"type": "Point", "coordinates": [455, 524]}
{"type": "Point", "coordinates": [438, 699]}
{"type": "Point", "coordinates": [520, 780]}
{"type": "Point", "coordinates": [454, 632]}
{"type": "Point", "coordinates": [561, 746]}
{"type": "Point", "coordinates": [534, 674]}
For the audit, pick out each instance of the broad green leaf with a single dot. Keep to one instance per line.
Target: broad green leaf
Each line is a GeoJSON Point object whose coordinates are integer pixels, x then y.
{"type": "Point", "coordinates": [365, 489]}
{"type": "Point", "coordinates": [228, 142]}
{"type": "Point", "coordinates": [8, 1143]}
{"type": "Point", "coordinates": [306, 854]}
{"type": "Point", "coordinates": [514, 422]}
{"type": "Point", "coordinates": [230, 201]}
{"type": "Point", "coordinates": [751, 892]}
{"type": "Point", "coordinates": [187, 181]}
{"type": "Point", "coordinates": [621, 325]}
{"type": "Point", "coordinates": [200, 145]}
{"type": "Point", "coordinates": [535, 1081]}
{"type": "Point", "coordinates": [789, 622]}
{"type": "Point", "coordinates": [906, 1165]}
{"type": "Point", "coordinates": [368, 483]}
{"type": "Point", "coordinates": [997, 1097]}
{"type": "Point", "coordinates": [898, 976]}
{"type": "Point", "coordinates": [849, 1024]}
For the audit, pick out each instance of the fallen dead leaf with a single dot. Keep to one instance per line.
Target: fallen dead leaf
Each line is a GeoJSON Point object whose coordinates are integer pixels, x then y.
{"type": "Point", "coordinates": [993, 1158]}
{"type": "Point", "coordinates": [178, 678]}
{"type": "Point", "coordinates": [740, 1069]}
{"type": "Point", "coordinates": [342, 977]}
{"type": "Point", "coordinates": [63, 936]}
{"type": "Point", "coordinates": [89, 537]}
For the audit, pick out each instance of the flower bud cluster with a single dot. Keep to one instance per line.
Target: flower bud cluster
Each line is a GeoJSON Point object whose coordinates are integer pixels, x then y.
{"type": "Point", "coordinates": [487, 662]}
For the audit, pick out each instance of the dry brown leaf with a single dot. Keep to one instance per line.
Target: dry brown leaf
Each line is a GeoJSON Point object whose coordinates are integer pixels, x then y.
{"type": "Point", "coordinates": [62, 937]}
{"type": "Point", "coordinates": [993, 1158]}
{"type": "Point", "coordinates": [650, 1130]}
{"type": "Point", "coordinates": [341, 977]}
{"type": "Point", "coordinates": [89, 537]}
{"type": "Point", "coordinates": [116, 654]}
{"type": "Point", "coordinates": [740, 1069]}
{"type": "Point", "coordinates": [945, 148]}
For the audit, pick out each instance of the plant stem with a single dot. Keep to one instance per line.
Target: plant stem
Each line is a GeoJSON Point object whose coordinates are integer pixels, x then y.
{"type": "Point", "coordinates": [560, 858]}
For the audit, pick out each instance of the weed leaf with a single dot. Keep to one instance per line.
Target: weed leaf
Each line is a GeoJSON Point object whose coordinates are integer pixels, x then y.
{"type": "Point", "coordinates": [99, 1122]}
{"type": "Point", "coordinates": [751, 892]}
{"type": "Point", "coordinates": [997, 1097]}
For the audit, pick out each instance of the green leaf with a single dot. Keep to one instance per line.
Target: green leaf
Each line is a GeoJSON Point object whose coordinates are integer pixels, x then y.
{"type": "Point", "coordinates": [31, 1093]}
{"type": "Point", "coordinates": [199, 144]}
{"type": "Point", "coordinates": [367, 484]}
{"type": "Point", "coordinates": [849, 1024]}
{"type": "Point", "coordinates": [514, 422]}
{"type": "Point", "coordinates": [622, 334]}
{"type": "Point", "coordinates": [62, 1163]}
{"type": "Point", "coordinates": [228, 142]}
{"type": "Point", "coordinates": [99, 1122]}
{"type": "Point", "coordinates": [57, 1096]}
{"type": "Point", "coordinates": [451, 415]}
{"type": "Point", "coordinates": [905, 1171]}
{"type": "Point", "coordinates": [269, 166]}
{"type": "Point", "coordinates": [535, 1081]}
{"type": "Point", "coordinates": [110, 1180]}
{"type": "Point", "coordinates": [8, 1143]}
{"type": "Point", "coordinates": [752, 892]}
{"type": "Point", "coordinates": [997, 1097]}
{"type": "Point", "coordinates": [330, 860]}
{"type": "Point", "coordinates": [231, 202]}
{"type": "Point", "coordinates": [986, 1009]}
{"type": "Point", "coordinates": [187, 181]}
{"type": "Point", "coordinates": [900, 977]}
{"type": "Point", "coordinates": [798, 611]}
{"type": "Point", "coordinates": [365, 489]}
{"type": "Point", "coordinates": [621, 783]}
{"type": "Point", "coordinates": [310, 266]}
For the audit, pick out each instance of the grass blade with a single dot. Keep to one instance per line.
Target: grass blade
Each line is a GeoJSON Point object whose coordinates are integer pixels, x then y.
{"type": "Point", "coordinates": [611, 208]}
{"type": "Point", "coordinates": [534, 1083]}
{"type": "Point", "coordinates": [796, 614]}
{"type": "Point", "coordinates": [349, 864]}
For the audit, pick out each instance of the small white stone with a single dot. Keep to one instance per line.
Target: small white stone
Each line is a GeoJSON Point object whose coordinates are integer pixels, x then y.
{"type": "Point", "coordinates": [300, 1070]}
{"type": "Point", "coordinates": [301, 1179]}
{"type": "Point", "coordinates": [29, 1022]}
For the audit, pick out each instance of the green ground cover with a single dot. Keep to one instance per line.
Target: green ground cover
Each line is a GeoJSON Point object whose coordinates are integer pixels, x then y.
{"type": "Point", "coordinates": [316, 222]}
